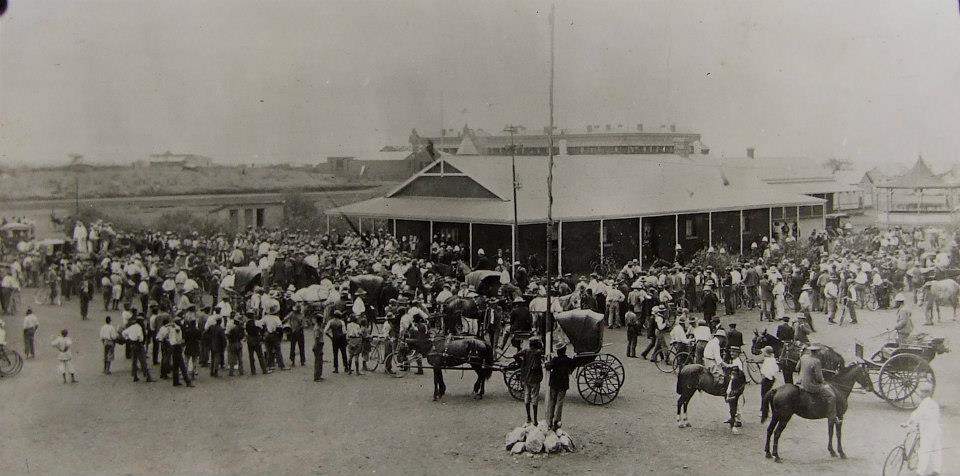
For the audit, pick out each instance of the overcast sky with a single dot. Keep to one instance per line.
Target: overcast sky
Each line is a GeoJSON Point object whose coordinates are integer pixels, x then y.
{"type": "Point", "coordinates": [872, 81]}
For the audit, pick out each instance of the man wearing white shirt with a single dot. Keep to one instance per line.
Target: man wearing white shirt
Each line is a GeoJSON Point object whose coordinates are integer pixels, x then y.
{"type": "Point", "coordinates": [134, 337]}
{"type": "Point", "coordinates": [927, 418]}
{"type": "Point", "coordinates": [108, 338]}
{"type": "Point", "coordinates": [30, 326]}
{"type": "Point", "coordinates": [770, 371]}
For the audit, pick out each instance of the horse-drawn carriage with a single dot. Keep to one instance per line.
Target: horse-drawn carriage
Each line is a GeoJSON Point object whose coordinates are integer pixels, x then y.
{"type": "Point", "coordinates": [245, 279]}
{"type": "Point", "coordinates": [599, 376]}
{"type": "Point", "coordinates": [898, 369]}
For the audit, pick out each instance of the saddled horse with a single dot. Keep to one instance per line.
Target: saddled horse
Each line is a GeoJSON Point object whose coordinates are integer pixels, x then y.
{"type": "Point", "coordinates": [788, 400]}
{"type": "Point", "coordinates": [458, 308]}
{"type": "Point", "coordinates": [447, 352]}
{"type": "Point", "coordinates": [693, 377]}
{"type": "Point", "coordinates": [788, 354]}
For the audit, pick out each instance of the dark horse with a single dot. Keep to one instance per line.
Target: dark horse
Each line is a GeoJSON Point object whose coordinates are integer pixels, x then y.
{"type": "Point", "coordinates": [449, 352]}
{"type": "Point", "coordinates": [695, 377]}
{"type": "Point", "coordinates": [457, 308]}
{"type": "Point", "coordinates": [788, 354]}
{"type": "Point", "coordinates": [788, 400]}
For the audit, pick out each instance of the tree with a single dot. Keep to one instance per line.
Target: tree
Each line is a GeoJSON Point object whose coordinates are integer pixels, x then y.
{"type": "Point", "coordinates": [835, 164]}
{"type": "Point", "coordinates": [300, 212]}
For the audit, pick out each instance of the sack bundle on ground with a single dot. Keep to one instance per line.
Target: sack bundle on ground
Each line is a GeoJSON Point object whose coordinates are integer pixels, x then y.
{"type": "Point", "coordinates": [537, 439]}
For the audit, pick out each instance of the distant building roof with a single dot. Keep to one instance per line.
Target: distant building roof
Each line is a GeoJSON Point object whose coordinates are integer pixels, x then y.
{"type": "Point", "coordinates": [920, 176]}
{"type": "Point", "coordinates": [585, 188]}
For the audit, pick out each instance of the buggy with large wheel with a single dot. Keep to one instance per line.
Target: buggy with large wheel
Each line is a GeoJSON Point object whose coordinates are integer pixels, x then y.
{"type": "Point", "coordinates": [599, 376]}
{"type": "Point", "coordinates": [899, 368]}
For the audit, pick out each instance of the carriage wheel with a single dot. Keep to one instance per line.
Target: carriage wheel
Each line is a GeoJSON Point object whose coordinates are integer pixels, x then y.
{"type": "Point", "coordinates": [511, 378]}
{"type": "Point", "coordinates": [901, 376]}
{"type": "Point", "coordinates": [894, 464]}
{"type": "Point", "coordinates": [10, 363]}
{"type": "Point", "coordinates": [598, 383]}
{"type": "Point", "coordinates": [753, 371]}
{"type": "Point", "coordinates": [616, 365]}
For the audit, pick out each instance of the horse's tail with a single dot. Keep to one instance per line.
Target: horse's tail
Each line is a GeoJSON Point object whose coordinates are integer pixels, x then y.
{"type": "Point", "coordinates": [767, 404]}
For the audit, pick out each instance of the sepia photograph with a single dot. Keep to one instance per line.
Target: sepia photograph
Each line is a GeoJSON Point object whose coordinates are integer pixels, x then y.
{"type": "Point", "coordinates": [453, 237]}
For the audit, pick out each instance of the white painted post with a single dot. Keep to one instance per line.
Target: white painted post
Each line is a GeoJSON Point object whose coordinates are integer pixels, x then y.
{"type": "Point", "coordinates": [741, 232]}
{"type": "Point", "coordinates": [640, 240]}
{"type": "Point", "coordinates": [360, 224]}
{"type": "Point", "coordinates": [328, 224]}
{"type": "Point", "coordinates": [770, 222]}
{"type": "Point", "coordinates": [709, 229]}
{"type": "Point", "coordinates": [559, 248]}
{"type": "Point", "coordinates": [513, 246]}
{"type": "Point", "coordinates": [601, 240]}
{"type": "Point", "coordinates": [470, 251]}
{"type": "Point", "coordinates": [394, 227]}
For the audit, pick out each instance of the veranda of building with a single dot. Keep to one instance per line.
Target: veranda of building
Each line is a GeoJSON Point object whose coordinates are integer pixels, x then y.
{"type": "Point", "coordinates": [603, 205]}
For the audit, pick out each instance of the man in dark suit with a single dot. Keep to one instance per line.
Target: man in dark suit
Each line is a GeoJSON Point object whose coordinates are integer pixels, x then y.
{"type": "Point", "coordinates": [218, 344]}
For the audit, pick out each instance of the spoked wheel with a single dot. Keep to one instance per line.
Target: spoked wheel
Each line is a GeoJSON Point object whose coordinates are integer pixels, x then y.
{"type": "Point", "coordinates": [373, 360]}
{"type": "Point", "coordinates": [895, 465]}
{"type": "Point", "coordinates": [872, 303]}
{"type": "Point", "coordinates": [401, 365]}
{"type": "Point", "coordinates": [511, 378]}
{"type": "Point", "coordinates": [681, 359]}
{"type": "Point", "coordinates": [598, 383]}
{"type": "Point", "coordinates": [901, 376]}
{"type": "Point", "coordinates": [10, 363]}
{"type": "Point", "coordinates": [666, 363]}
{"type": "Point", "coordinates": [615, 364]}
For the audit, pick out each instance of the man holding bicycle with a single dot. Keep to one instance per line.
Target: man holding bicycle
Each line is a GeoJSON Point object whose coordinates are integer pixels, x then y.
{"type": "Point", "coordinates": [927, 420]}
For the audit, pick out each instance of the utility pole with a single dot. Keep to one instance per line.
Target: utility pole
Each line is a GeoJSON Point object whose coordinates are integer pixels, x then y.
{"type": "Point", "coordinates": [548, 339]}
{"type": "Point", "coordinates": [75, 160]}
{"type": "Point", "coordinates": [512, 129]}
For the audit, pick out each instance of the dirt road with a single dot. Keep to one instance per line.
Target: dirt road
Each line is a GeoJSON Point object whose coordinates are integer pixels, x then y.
{"type": "Point", "coordinates": [284, 423]}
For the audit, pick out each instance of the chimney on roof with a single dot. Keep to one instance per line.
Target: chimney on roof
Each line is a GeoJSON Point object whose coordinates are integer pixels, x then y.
{"type": "Point", "coordinates": [673, 128]}
{"type": "Point", "coordinates": [750, 152]}
{"type": "Point", "coordinates": [640, 127]}
{"type": "Point", "coordinates": [608, 127]}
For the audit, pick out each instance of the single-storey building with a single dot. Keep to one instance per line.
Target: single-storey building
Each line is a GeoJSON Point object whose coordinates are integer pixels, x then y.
{"type": "Point", "coordinates": [604, 206]}
{"type": "Point", "coordinates": [252, 213]}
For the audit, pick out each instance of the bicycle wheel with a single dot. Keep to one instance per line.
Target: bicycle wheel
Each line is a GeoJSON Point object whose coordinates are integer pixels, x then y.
{"type": "Point", "coordinates": [872, 303]}
{"type": "Point", "coordinates": [665, 364]}
{"type": "Point", "coordinates": [894, 464]}
{"type": "Point", "coordinates": [375, 357]}
{"type": "Point", "coordinates": [912, 446]}
{"type": "Point", "coordinates": [41, 298]}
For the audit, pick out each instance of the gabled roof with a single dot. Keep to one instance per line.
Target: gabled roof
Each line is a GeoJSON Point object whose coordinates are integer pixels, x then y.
{"type": "Point", "coordinates": [920, 176]}
{"type": "Point", "coordinates": [587, 188]}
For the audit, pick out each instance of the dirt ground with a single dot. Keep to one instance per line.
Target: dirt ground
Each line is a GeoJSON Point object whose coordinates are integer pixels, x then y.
{"type": "Point", "coordinates": [285, 423]}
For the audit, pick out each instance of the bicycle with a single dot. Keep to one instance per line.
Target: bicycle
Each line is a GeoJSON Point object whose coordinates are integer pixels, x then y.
{"type": "Point", "coordinates": [376, 356]}
{"type": "Point", "coordinates": [751, 367]}
{"type": "Point", "coordinates": [903, 455]}
{"type": "Point", "coordinates": [10, 362]}
{"type": "Point", "coordinates": [870, 300]}
{"type": "Point", "coordinates": [674, 360]}
{"type": "Point", "coordinates": [400, 360]}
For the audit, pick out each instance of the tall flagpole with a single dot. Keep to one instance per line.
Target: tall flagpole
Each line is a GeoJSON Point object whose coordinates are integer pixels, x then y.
{"type": "Point", "coordinates": [550, 225]}
{"type": "Point", "coordinates": [548, 339]}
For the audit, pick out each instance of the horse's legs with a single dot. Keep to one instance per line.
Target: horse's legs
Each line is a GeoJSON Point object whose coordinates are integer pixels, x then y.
{"type": "Point", "coordinates": [439, 388]}
{"type": "Point", "coordinates": [773, 424]}
{"type": "Point", "coordinates": [776, 437]}
{"type": "Point", "coordinates": [840, 439]}
{"type": "Point", "coordinates": [830, 438]}
{"type": "Point", "coordinates": [680, 403]}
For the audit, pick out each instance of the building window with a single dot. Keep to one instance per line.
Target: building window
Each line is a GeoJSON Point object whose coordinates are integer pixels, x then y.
{"type": "Point", "coordinates": [260, 221]}
{"type": "Point", "coordinates": [248, 217]}
{"type": "Point", "coordinates": [690, 231]}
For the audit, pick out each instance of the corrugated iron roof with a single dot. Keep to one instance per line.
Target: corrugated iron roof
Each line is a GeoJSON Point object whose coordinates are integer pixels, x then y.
{"type": "Point", "coordinates": [589, 188]}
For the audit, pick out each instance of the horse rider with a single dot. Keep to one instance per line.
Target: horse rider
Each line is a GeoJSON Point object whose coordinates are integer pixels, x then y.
{"type": "Point", "coordinates": [713, 358]}
{"type": "Point", "coordinates": [701, 335]}
{"type": "Point", "coordinates": [811, 379]}
{"type": "Point", "coordinates": [785, 331]}
{"type": "Point", "coordinates": [904, 325]}
{"type": "Point", "coordinates": [521, 323]}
